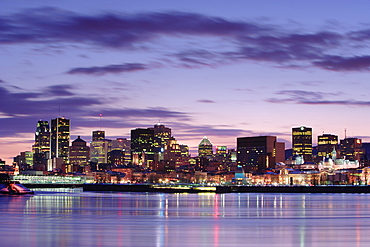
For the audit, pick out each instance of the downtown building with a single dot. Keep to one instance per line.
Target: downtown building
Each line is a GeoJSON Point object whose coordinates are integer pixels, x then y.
{"type": "Point", "coordinates": [259, 153]}
{"type": "Point", "coordinates": [59, 143]}
{"type": "Point", "coordinates": [41, 147]}
{"type": "Point", "coordinates": [351, 149]}
{"type": "Point", "coordinates": [302, 142]}
{"type": "Point", "coordinates": [326, 145]}
{"type": "Point", "coordinates": [79, 154]}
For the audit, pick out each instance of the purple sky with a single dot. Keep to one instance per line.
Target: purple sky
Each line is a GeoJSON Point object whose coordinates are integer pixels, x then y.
{"type": "Point", "coordinates": [202, 68]}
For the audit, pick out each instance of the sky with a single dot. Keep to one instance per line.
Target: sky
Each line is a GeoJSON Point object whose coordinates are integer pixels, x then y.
{"type": "Point", "coordinates": [221, 69]}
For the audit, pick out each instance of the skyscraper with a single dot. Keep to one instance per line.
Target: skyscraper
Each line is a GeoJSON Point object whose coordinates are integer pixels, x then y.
{"type": "Point", "coordinates": [59, 138]}
{"type": "Point", "coordinates": [41, 147]}
{"type": "Point", "coordinates": [259, 152]}
{"type": "Point", "coordinates": [205, 147]}
{"type": "Point", "coordinates": [326, 143]}
{"type": "Point", "coordinates": [98, 135]}
{"type": "Point", "coordinates": [302, 142]}
{"type": "Point", "coordinates": [351, 149]}
{"type": "Point", "coordinates": [142, 146]}
{"type": "Point", "coordinates": [42, 137]}
{"type": "Point", "coordinates": [123, 145]}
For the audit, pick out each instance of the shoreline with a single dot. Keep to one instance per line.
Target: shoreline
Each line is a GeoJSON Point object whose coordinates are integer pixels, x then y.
{"type": "Point", "coordinates": [208, 189]}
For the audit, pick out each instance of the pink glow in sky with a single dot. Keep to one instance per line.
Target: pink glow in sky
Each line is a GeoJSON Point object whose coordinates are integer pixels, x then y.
{"type": "Point", "coordinates": [202, 68]}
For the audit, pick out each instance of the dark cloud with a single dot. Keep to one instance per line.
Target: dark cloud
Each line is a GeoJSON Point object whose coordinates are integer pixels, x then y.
{"type": "Point", "coordinates": [20, 110]}
{"type": "Point", "coordinates": [59, 90]}
{"type": "Point", "coordinates": [337, 63]}
{"type": "Point", "coordinates": [206, 101]}
{"type": "Point", "coordinates": [52, 25]}
{"type": "Point", "coordinates": [244, 40]}
{"type": "Point", "coordinates": [114, 68]}
{"type": "Point", "coordinates": [313, 98]}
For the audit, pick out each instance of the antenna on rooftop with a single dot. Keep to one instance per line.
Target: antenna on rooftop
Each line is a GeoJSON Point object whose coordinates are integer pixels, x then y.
{"type": "Point", "coordinates": [100, 115]}
{"type": "Point", "coordinates": [345, 132]}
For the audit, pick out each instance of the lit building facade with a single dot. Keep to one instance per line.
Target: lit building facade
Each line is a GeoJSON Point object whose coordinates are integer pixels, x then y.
{"type": "Point", "coordinates": [59, 138]}
{"type": "Point", "coordinates": [99, 151]}
{"type": "Point", "coordinates": [41, 147]}
{"type": "Point", "coordinates": [116, 157]}
{"type": "Point", "coordinates": [260, 152]}
{"type": "Point", "coordinates": [123, 145]}
{"type": "Point", "coordinates": [98, 135]}
{"type": "Point", "coordinates": [205, 148]}
{"type": "Point", "coordinates": [142, 147]}
{"type": "Point", "coordinates": [351, 149]}
{"type": "Point", "coordinates": [79, 152]}
{"type": "Point", "coordinates": [42, 137]}
{"type": "Point", "coordinates": [302, 142]}
{"type": "Point", "coordinates": [326, 143]}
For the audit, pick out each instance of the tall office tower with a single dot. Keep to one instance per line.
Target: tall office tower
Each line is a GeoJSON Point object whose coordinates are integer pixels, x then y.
{"type": "Point", "coordinates": [41, 147]}
{"type": "Point", "coordinates": [173, 152]}
{"type": "Point", "coordinates": [79, 152]}
{"type": "Point", "coordinates": [143, 147]}
{"type": "Point", "coordinates": [205, 148]}
{"type": "Point", "coordinates": [162, 140]}
{"type": "Point", "coordinates": [123, 145]}
{"type": "Point", "coordinates": [99, 150]}
{"type": "Point", "coordinates": [326, 143]}
{"type": "Point", "coordinates": [59, 138]}
{"type": "Point", "coordinates": [162, 132]}
{"type": "Point", "coordinates": [351, 149]}
{"type": "Point", "coordinates": [98, 135]}
{"type": "Point", "coordinates": [260, 152]}
{"type": "Point", "coordinates": [42, 137]}
{"type": "Point", "coordinates": [302, 142]}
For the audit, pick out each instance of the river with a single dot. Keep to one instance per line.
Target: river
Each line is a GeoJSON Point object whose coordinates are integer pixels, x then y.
{"type": "Point", "coordinates": [71, 217]}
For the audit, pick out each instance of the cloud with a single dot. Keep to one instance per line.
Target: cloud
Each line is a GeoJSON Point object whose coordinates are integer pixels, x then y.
{"type": "Point", "coordinates": [20, 109]}
{"type": "Point", "coordinates": [51, 25]}
{"type": "Point", "coordinates": [313, 98]}
{"type": "Point", "coordinates": [242, 40]}
{"type": "Point", "coordinates": [114, 68]}
{"type": "Point", "coordinates": [337, 63]}
{"type": "Point", "coordinates": [206, 101]}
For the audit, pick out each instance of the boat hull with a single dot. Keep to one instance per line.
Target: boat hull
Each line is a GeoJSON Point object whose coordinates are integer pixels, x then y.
{"type": "Point", "coordinates": [10, 188]}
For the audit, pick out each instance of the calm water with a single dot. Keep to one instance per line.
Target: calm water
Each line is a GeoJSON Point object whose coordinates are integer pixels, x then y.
{"type": "Point", "coordinates": [70, 217]}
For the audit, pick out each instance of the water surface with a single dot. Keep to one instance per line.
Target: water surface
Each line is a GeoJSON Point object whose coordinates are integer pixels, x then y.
{"type": "Point", "coordinates": [70, 217]}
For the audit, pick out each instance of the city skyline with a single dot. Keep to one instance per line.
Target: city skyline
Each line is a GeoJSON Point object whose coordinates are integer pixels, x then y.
{"type": "Point", "coordinates": [202, 69]}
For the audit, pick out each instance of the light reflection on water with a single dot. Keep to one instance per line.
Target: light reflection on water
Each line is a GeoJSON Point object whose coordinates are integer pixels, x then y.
{"type": "Point", "coordinates": [70, 217]}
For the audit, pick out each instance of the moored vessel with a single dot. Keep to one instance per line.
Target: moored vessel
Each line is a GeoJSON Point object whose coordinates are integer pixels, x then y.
{"type": "Point", "coordinates": [12, 187]}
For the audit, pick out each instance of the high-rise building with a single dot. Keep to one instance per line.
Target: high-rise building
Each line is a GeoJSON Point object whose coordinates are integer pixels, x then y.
{"type": "Point", "coordinates": [42, 137]}
{"type": "Point", "coordinates": [302, 142]}
{"type": "Point", "coordinates": [116, 157]}
{"type": "Point", "coordinates": [41, 147]}
{"type": "Point", "coordinates": [98, 135]}
{"type": "Point", "coordinates": [162, 132]}
{"type": "Point", "coordinates": [326, 143]}
{"type": "Point", "coordinates": [205, 147]}
{"type": "Point", "coordinates": [260, 152]}
{"type": "Point", "coordinates": [351, 149]}
{"type": "Point", "coordinates": [59, 138]}
{"type": "Point", "coordinates": [79, 152]}
{"type": "Point", "coordinates": [123, 145]}
{"type": "Point", "coordinates": [99, 151]}
{"type": "Point", "coordinates": [143, 147]}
